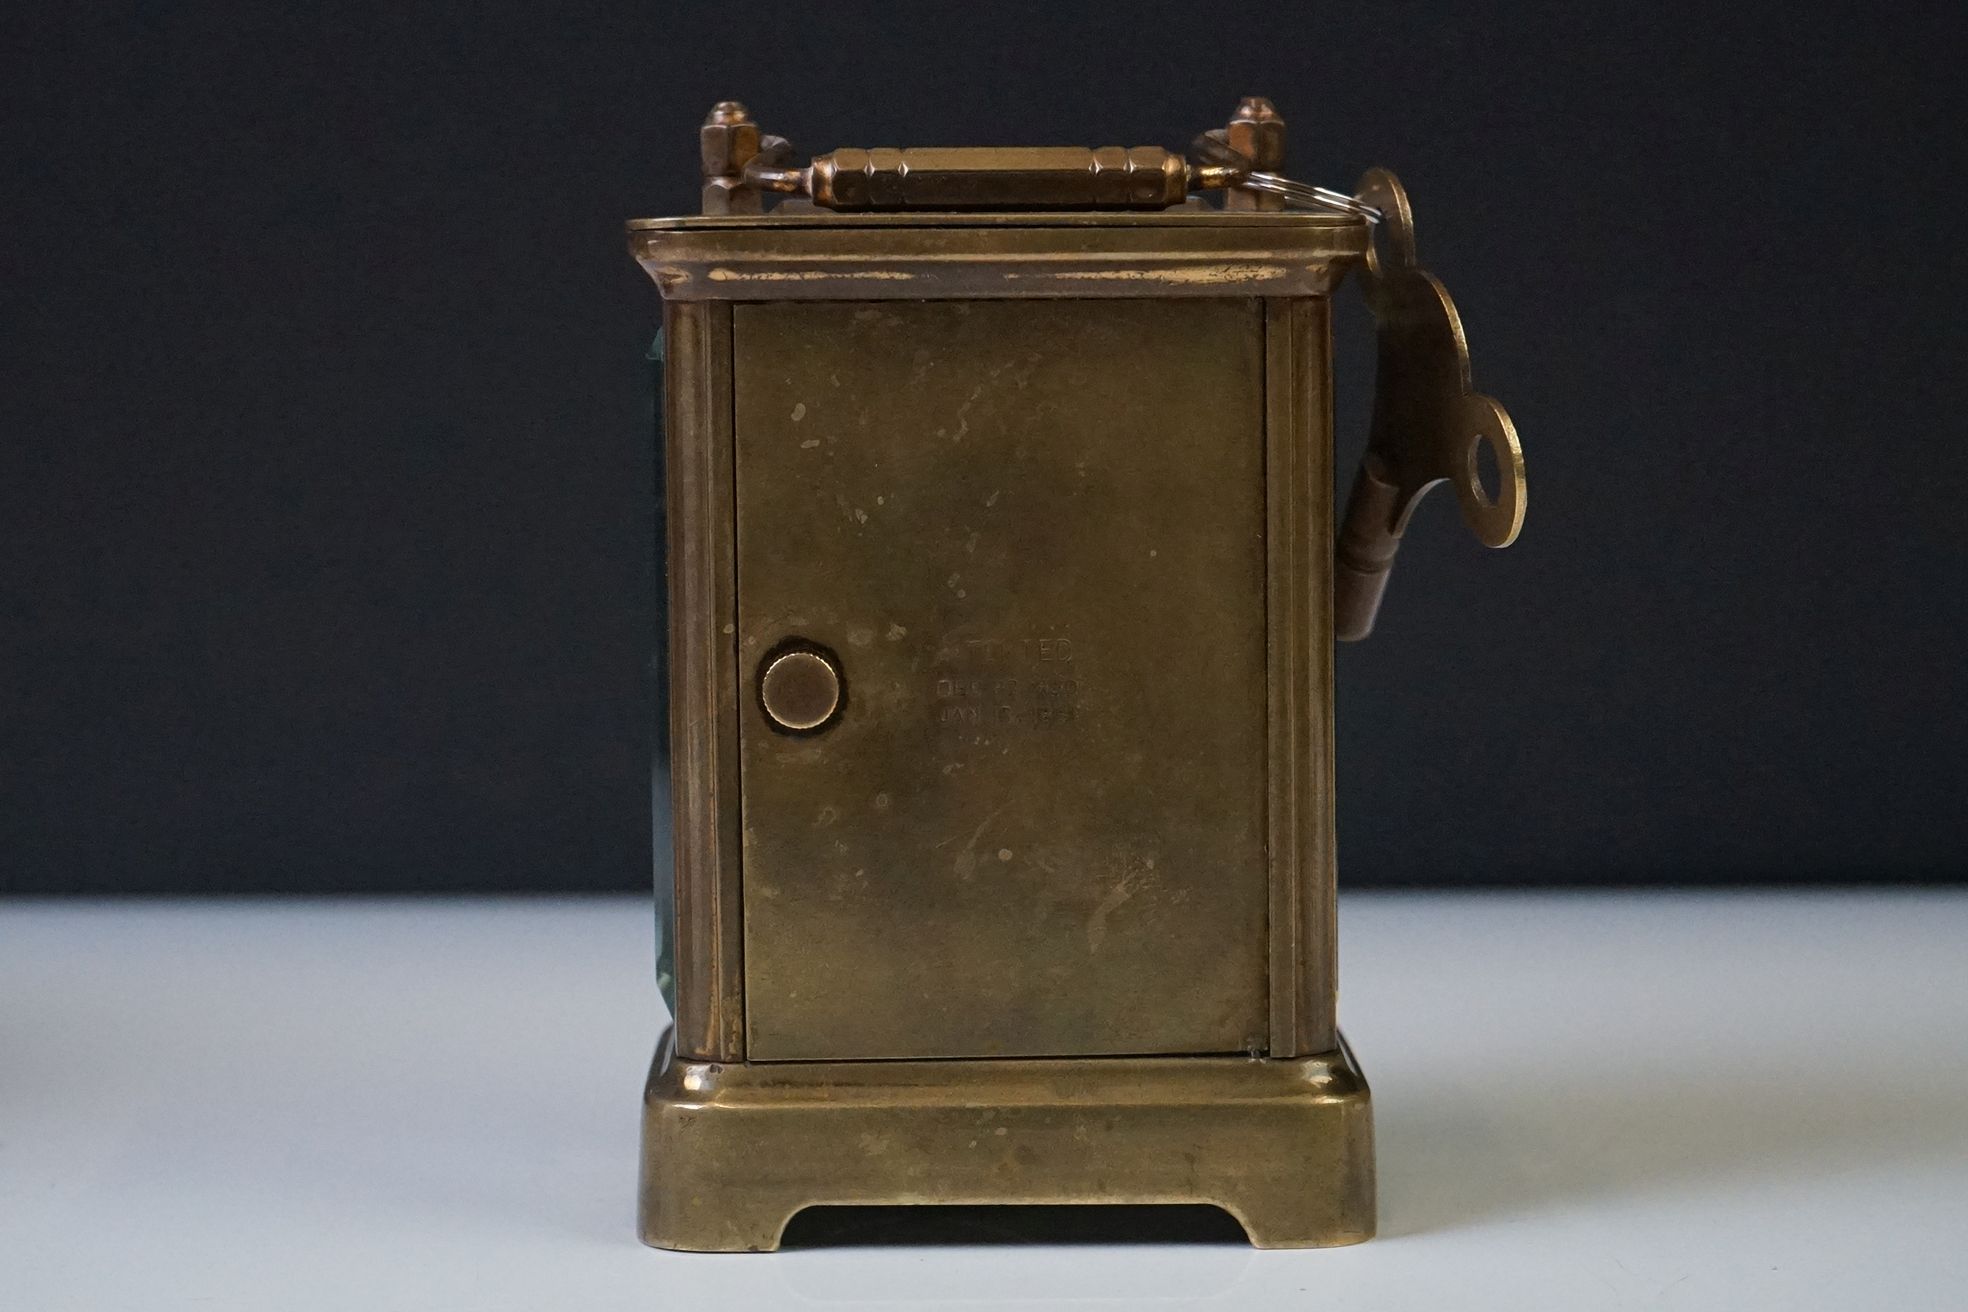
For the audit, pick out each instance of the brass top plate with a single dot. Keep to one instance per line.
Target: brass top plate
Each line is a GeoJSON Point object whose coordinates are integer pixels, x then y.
{"type": "Point", "coordinates": [1198, 216]}
{"type": "Point", "coordinates": [821, 256]}
{"type": "Point", "coordinates": [1033, 535]}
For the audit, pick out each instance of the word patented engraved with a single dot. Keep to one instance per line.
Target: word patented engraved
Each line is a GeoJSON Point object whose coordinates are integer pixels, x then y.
{"type": "Point", "coordinates": [1006, 653]}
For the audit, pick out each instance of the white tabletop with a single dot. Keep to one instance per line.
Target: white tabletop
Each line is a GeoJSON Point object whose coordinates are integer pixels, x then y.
{"type": "Point", "coordinates": [1582, 1101]}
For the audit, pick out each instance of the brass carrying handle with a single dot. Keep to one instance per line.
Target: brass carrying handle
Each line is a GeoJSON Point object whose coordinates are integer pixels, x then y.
{"type": "Point", "coordinates": [1429, 426]}
{"type": "Point", "coordinates": [742, 165]}
{"type": "Point", "coordinates": [1026, 178]}
{"type": "Point", "coordinates": [986, 178]}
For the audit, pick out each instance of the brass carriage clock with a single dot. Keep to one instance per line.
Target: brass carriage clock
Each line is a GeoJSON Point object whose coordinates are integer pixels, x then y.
{"type": "Point", "coordinates": [1003, 581]}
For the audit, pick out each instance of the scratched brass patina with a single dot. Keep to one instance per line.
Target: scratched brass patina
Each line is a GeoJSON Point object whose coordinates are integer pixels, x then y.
{"type": "Point", "coordinates": [1034, 533]}
{"type": "Point", "coordinates": [1285, 1146]}
{"type": "Point", "coordinates": [1003, 587]}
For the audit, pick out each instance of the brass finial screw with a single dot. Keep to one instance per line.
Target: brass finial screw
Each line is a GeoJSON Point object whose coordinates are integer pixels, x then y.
{"type": "Point", "coordinates": [1251, 109]}
{"type": "Point", "coordinates": [1256, 131]}
{"type": "Point", "coordinates": [727, 142]}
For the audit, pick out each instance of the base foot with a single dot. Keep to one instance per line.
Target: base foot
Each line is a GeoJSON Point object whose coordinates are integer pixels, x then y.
{"type": "Point", "coordinates": [731, 1152]}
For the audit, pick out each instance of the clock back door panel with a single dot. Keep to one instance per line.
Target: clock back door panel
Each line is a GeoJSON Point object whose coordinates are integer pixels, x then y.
{"type": "Point", "coordinates": [1030, 535]}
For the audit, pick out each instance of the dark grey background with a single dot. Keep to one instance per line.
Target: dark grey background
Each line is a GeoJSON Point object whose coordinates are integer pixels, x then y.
{"type": "Point", "coordinates": [326, 499]}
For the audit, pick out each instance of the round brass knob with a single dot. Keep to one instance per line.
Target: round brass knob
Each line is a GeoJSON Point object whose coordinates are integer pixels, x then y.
{"type": "Point", "coordinates": [800, 690]}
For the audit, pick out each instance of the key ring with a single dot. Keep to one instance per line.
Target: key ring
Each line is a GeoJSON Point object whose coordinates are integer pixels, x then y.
{"type": "Point", "coordinates": [1307, 196]}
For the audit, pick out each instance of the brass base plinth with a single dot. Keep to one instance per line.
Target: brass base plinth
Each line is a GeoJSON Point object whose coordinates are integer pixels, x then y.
{"type": "Point", "coordinates": [731, 1152]}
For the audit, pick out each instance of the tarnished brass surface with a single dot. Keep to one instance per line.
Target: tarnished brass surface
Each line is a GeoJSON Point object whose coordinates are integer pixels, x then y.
{"type": "Point", "coordinates": [1034, 534]}
{"type": "Point", "coordinates": [741, 165]}
{"type": "Point", "coordinates": [708, 687]}
{"type": "Point", "coordinates": [1003, 591]}
{"type": "Point", "coordinates": [703, 680]}
{"type": "Point", "coordinates": [732, 1152]}
{"type": "Point", "coordinates": [1298, 677]}
{"type": "Point", "coordinates": [987, 177]}
{"type": "Point", "coordinates": [807, 256]}
{"type": "Point", "coordinates": [1429, 426]}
